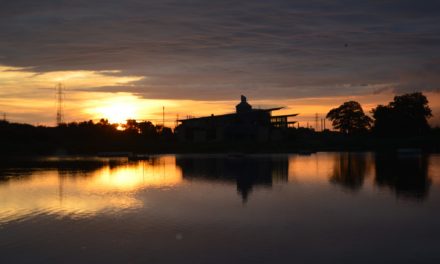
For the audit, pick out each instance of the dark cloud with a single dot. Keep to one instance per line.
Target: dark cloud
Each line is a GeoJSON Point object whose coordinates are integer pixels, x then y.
{"type": "Point", "coordinates": [218, 49]}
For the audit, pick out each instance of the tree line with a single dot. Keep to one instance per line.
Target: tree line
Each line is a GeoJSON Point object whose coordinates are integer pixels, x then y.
{"type": "Point", "coordinates": [84, 137]}
{"type": "Point", "coordinates": [402, 123]}
{"type": "Point", "coordinates": [406, 115]}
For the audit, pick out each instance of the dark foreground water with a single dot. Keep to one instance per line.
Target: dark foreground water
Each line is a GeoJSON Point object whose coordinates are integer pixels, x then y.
{"type": "Point", "coordinates": [322, 208]}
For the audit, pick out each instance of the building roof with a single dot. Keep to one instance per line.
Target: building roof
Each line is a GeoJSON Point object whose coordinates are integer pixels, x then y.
{"type": "Point", "coordinates": [285, 115]}
{"type": "Point", "coordinates": [230, 114]}
{"type": "Point", "coordinates": [242, 108]}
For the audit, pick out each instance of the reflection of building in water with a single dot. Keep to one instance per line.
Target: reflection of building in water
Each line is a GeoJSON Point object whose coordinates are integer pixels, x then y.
{"type": "Point", "coordinates": [350, 169]}
{"type": "Point", "coordinates": [246, 171]}
{"type": "Point", "coordinates": [245, 123]}
{"type": "Point", "coordinates": [407, 176]}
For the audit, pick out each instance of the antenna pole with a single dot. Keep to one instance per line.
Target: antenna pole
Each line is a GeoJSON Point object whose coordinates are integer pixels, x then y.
{"type": "Point", "coordinates": [316, 122]}
{"type": "Point", "coordinates": [163, 116]}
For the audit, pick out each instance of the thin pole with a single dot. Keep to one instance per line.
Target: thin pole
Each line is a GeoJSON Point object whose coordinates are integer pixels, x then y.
{"type": "Point", "coordinates": [316, 121]}
{"type": "Point", "coordinates": [60, 95]}
{"type": "Point", "coordinates": [163, 116]}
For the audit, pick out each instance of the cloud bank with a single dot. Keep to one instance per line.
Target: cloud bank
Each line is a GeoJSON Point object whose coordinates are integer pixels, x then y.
{"type": "Point", "coordinates": [216, 50]}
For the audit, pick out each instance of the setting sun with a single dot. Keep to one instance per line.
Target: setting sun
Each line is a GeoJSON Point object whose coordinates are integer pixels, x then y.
{"type": "Point", "coordinates": [118, 113]}
{"type": "Point", "coordinates": [117, 110]}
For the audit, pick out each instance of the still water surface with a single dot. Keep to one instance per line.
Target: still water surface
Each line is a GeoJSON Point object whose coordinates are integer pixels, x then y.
{"type": "Point", "coordinates": [322, 208]}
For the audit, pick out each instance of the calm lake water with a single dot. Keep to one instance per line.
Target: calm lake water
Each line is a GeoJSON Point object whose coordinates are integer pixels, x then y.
{"type": "Point", "coordinates": [322, 208]}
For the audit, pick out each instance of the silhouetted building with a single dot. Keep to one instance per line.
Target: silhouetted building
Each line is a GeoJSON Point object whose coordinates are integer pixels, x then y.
{"type": "Point", "coordinates": [245, 123]}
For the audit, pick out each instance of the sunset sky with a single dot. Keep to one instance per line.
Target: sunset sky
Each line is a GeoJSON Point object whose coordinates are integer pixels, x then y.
{"type": "Point", "coordinates": [126, 59]}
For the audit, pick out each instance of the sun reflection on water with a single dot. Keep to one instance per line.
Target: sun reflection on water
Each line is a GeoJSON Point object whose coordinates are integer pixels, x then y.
{"type": "Point", "coordinates": [77, 195]}
{"type": "Point", "coordinates": [74, 189]}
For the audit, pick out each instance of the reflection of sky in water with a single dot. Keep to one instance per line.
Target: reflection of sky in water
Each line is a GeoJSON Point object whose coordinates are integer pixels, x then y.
{"type": "Point", "coordinates": [319, 167]}
{"type": "Point", "coordinates": [87, 193]}
{"type": "Point", "coordinates": [322, 208]}
{"type": "Point", "coordinates": [112, 188]}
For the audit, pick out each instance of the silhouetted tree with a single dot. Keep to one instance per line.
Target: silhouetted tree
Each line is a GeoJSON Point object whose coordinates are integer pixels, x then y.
{"type": "Point", "coordinates": [407, 115]}
{"type": "Point", "coordinates": [103, 122]}
{"type": "Point", "coordinates": [166, 132]}
{"type": "Point", "coordinates": [131, 127]}
{"type": "Point", "coordinates": [147, 129]}
{"type": "Point", "coordinates": [349, 118]}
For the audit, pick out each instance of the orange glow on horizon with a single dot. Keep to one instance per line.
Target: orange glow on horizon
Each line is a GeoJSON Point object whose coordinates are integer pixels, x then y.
{"type": "Point", "coordinates": [33, 100]}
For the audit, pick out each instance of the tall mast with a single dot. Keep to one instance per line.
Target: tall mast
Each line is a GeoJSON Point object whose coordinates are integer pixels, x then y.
{"type": "Point", "coordinates": [60, 101]}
